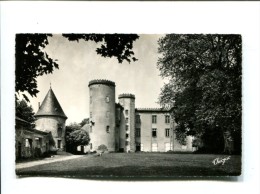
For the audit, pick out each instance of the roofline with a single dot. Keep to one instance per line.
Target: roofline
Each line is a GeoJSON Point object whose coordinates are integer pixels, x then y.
{"type": "Point", "coordinates": [153, 110]}
{"type": "Point", "coordinates": [22, 120]}
{"type": "Point", "coordinates": [124, 95]}
{"type": "Point", "coordinates": [65, 117]}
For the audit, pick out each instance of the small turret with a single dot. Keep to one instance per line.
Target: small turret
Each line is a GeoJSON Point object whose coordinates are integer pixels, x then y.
{"type": "Point", "coordinates": [51, 117]}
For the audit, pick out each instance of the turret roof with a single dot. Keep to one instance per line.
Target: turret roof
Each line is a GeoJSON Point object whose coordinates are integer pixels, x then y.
{"type": "Point", "coordinates": [50, 106]}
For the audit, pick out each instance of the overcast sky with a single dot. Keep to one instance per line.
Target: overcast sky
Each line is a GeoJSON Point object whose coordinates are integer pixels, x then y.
{"type": "Point", "coordinates": [79, 63]}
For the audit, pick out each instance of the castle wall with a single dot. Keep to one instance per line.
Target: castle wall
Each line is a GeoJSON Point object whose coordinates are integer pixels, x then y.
{"type": "Point", "coordinates": [57, 127]}
{"type": "Point", "coordinates": [102, 113]}
{"type": "Point", "coordinates": [30, 143]}
{"type": "Point", "coordinates": [161, 142]}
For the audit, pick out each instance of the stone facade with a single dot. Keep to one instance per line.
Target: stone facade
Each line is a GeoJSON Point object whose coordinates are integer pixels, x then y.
{"type": "Point", "coordinates": [127, 101]}
{"type": "Point", "coordinates": [130, 129]}
{"type": "Point", "coordinates": [102, 114]}
{"type": "Point", "coordinates": [30, 142]}
{"type": "Point", "coordinates": [57, 127]}
{"type": "Point", "coordinates": [156, 132]}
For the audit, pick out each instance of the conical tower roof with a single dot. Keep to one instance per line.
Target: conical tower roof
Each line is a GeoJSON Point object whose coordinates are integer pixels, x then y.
{"type": "Point", "coordinates": [50, 106]}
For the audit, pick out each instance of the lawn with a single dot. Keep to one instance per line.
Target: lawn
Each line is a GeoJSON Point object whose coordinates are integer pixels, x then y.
{"type": "Point", "coordinates": [156, 165]}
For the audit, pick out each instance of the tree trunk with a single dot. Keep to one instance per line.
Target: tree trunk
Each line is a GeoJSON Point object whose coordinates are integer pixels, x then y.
{"type": "Point", "coordinates": [228, 142]}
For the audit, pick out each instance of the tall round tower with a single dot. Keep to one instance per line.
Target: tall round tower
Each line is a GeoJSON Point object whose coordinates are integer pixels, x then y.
{"type": "Point", "coordinates": [102, 114]}
{"type": "Point", "coordinates": [50, 117]}
{"type": "Point", "coordinates": [128, 103]}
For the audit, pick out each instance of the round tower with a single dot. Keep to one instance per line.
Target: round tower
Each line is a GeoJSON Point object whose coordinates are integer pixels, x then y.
{"type": "Point", "coordinates": [127, 101]}
{"type": "Point", "coordinates": [102, 114]}
{"type": "Point", "coordinates": [50, 117]}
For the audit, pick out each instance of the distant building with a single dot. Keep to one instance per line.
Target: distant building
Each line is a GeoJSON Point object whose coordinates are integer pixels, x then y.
{"type": "Point", "coordinates": [50, 117]}
{"type": "Point", "coordinates": [123, 127]}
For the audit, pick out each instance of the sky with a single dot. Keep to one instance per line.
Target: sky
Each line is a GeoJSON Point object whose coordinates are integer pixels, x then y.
{"type": "Point", "coordinates": [79, 63]}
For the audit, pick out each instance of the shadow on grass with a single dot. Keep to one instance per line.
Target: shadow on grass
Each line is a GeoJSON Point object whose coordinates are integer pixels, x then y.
{"type": "Point", "coordinates": [136, 173]}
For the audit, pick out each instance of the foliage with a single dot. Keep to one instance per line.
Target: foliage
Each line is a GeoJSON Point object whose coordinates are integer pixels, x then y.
{"type": "Point", "coordinates": [75, 136]}
{"type": "Point", "coordinates": [24, 111]}
{"type": "Point", "coordinates": [84, 121]}
{"type": "Point", "coordinates": [78, 137]}
{"type": "Point", "coordinates": [102, 148]}
{"type": "Point", "coordinates": [204, 87]}
{"type": "Point", "coordinates": [72, 127]}
{"type": "Point", "coordinates": [32, 61]}
{"type": "Point", "coordinates": [113, 45]}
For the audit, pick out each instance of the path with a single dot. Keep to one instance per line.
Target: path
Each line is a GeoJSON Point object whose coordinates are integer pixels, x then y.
{"type": "Point", "coordinates": [56, 158]}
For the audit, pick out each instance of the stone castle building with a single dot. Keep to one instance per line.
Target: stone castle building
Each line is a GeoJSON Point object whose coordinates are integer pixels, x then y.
{"type": "Point", "coordinates": [48, 133]}
{"type": "Point", "coordinates": [50, 117]}
{"type": "Point", "coordinates": [120, 126]}
{"type": "Point", "coordinates": [30, 142]}
{"type": "Point", "coordinates": [123, 127]}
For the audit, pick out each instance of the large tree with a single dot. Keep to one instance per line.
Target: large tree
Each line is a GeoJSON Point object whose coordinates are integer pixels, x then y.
{"type": "Point", "coordinates": [204, 88]}
{"type": "Point", "coordinates": [32, 61]}
{"type": "Point", "coordinates": [76, 136]}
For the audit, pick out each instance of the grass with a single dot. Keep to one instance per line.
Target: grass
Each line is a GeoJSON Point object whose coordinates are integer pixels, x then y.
{"type": "Point", "coordinates": [138, 165]}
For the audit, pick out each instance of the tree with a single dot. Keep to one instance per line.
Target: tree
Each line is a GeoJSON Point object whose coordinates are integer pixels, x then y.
{"type": "Point", "coordinates": [84, 121]}
{"type": "Point", "coordinates": [24, 111]}
{"type": "Point", "coordinates": [204, 87]}
{"type": "Point", "coordinates": [32, 61]}
{"type": "Point", "coordinates": [75, 137]}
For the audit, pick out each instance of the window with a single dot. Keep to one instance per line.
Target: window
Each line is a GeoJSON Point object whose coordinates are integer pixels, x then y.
{"type": "Point", "coordinates": [167, 147]}
{"type": "Point", "coordinates": [126, 127]}
{"type": "Point", "coordinates": [137, 132]}
{"type": "Point", "coordinates": [38, 142]}
{"type": "Point", "coordinates": [59, 131]}
{"type": "Point", "coordinates": [90, 129]}
{"type": "Point", "coordinates": [107, 129]}
{"type": "Point", "coordinates": [167, 132]}
{"type": "Point", "coordinates": [126, 135]}
{"type": "Point", "coordinates": [154, 132]}
{"type": "Point", "coordinates": [167, 118]}
{"type": "Point", "coordinates": [28, 143]}
{"type": "Point", "coordinates": [59, 143]}
{"type": "Point", "coordinates": [107, 114]}
{"type": "Point", "coordinates": [91, 146]}
{"type": "Point", "coordinates": [154, 147]}
{"type": "Point", "coordinates": [126, 120]}
{"type": "Point", "coordinates": [90, 114]}
{"type": "Point", "coordinates": [107, 99]}
{"type": "Point", "coordinates": [126, 112]}
{"type": "Point", "coordinates": [154, 119]}
{"type": "Point", "coordinates": [138, 120]}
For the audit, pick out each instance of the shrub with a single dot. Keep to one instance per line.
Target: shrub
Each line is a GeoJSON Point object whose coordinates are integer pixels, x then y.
{"type": "Point", "coordinates": [102, 148]}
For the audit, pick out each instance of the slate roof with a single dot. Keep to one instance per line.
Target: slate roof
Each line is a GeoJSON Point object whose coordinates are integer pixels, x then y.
{"type": "Point", "coordinates": [50, 106]}
{"type": "Point", "coordinates": [152, 110]}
